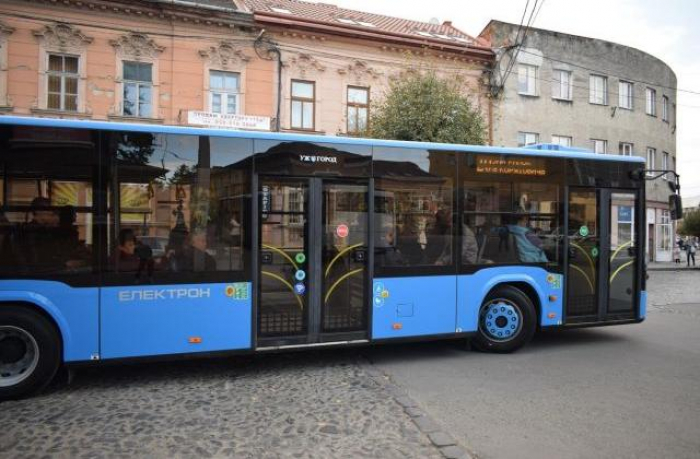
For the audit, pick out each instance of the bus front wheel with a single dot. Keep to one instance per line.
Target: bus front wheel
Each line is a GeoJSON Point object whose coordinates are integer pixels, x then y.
{"type": "Point", "coordinates": [507, 321]}
{"type": "Point", "coordinates": [30, 352]}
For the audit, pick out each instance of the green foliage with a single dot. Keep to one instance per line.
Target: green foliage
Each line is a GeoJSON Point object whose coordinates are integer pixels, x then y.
{"type": "Point", "coordinates": [426, 108]}
{"type": "Point", "coordinates": [691, 224]}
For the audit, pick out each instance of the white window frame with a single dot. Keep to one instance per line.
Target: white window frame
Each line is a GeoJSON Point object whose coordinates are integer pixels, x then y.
{"type": "Point", "coordinates": [61, 39]}
{"type": "Point", "coordinates": [593, 93]}
{"type": "Point", "coordinates": [525, 135]}
{"type": "Point", "coordinates": [137, 47]}
{"type": "Point", "coordinates": [598, 142]}
{"type": "Point", "coordinates": [665, 163]}
{"type": "Point", "coordinates": [527, 75]}
{"type": "Point", "coordinates": [663, 241]}
{"type": "Point", "coordinates": [303, 101]}
{"type": "Point", "coordinates": [138, 84]}
{"type": "Point", "coordinates": [562, 88]}
{"type": "Point", "coordinates": [225, 94]}
{"type": "Point", "coordinates": [563, 140]}
{"type": "Point", "coordinates": [664, 108]}
{"type": "Point", "coordinates": [63, 76]}
{"type": "Point", "coordinates": [650, 101]}
{"type": "Point", "coordinates": [357, 107]}
{"type": "Point", "coordinates": [5, 31]}
{"type": "Point", "coordinates": [626, 148]}
{"type": "Point", "coordinates": [626, 97]}
{"type": "Point", "coordinates": [651, 160]}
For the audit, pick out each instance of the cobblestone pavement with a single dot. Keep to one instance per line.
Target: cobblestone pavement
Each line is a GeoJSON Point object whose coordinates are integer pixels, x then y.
{"type": "Point", "coordinates": [321, 404]}
{"type": "Point", "coordinates": [671, 287]}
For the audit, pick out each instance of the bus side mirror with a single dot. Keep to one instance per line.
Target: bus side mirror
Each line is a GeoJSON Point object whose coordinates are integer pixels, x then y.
{"type": "Point", "coordinates": [676, 206]}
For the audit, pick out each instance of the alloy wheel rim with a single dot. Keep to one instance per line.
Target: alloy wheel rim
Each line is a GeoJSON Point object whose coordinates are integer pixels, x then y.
{"type": "Point", "coordinates": [19, 355]}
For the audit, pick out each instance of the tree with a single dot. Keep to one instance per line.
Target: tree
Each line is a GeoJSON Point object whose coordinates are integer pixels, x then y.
{"type": "Point", "coordinates": [691, 224]}
{"type": "Point", "coordinates": [423, 107]}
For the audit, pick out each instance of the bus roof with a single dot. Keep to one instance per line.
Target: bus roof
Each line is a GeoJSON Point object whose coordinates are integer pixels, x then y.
{"type": "Point", "coordinates": [536, 150]}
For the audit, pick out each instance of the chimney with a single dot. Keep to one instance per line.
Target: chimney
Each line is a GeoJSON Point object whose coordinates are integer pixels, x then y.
{"type": "Point", "coordinates": [447, 23]}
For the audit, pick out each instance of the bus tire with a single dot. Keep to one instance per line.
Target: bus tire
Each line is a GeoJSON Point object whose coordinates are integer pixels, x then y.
{"type": "Point", "coordinates": [507, 321]}
{"type": "Point", "coordinates": [30, 352]}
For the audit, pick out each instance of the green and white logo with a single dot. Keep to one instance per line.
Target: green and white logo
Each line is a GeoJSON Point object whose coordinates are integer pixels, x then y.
{"type": "Point", "coordinates": [583, 231]}
{"type": "Point", "coordinates": [300, 258]}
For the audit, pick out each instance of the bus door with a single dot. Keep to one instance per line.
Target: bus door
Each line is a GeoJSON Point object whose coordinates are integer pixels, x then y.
{"type": "Point", "coordinates": [603, 255]}
{"type": "Point", "coordinates": [313, 260]}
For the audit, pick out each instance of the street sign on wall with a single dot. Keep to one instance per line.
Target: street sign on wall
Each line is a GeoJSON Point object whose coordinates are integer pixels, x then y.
{"type": "Point", "coordinates": [210, 119]}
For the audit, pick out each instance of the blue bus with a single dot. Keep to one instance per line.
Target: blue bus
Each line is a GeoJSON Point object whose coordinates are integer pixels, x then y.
{"type": "Point", "coordinates": [131, 241]}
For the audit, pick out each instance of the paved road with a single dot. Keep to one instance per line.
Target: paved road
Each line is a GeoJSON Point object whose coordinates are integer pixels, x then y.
{"type": "Point", "coordinates": [307, 405]}
{"type": "Point", "coordinates": [627, 391]}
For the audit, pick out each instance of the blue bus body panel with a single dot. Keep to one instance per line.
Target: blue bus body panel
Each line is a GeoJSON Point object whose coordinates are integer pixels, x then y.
{"type": "Point", "coordinates": [473, 288]}
{"type": "Point", "coordinates": [174, 319]}
{"type": "Point", "coordinates": [643, 304]}
{"type": "Point", "coordinates": [413, 306]}
{"type": "Point", "coordinates": [75, 311]}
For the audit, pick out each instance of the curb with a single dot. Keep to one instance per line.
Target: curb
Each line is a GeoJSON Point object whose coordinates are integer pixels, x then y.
{"type": "Point", "coordinates": [426, 424]}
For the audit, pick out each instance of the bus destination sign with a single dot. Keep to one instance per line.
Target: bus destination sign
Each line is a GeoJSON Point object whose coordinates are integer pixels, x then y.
{"type": "Point", "coordinates": [486, 164]}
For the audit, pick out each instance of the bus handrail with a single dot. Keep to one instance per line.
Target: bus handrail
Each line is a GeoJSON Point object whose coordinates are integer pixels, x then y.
{"type": "Point", "coordinates": [281, 279]}
{"type": "Point", "coordinates": [341, 279]}
{"type": "Point", "coordinates": [281, 252]}
{"type": "Point", "coordinates": [340, 254]}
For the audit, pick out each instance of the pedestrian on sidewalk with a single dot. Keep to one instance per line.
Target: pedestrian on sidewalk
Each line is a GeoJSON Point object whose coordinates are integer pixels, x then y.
{"type": "Point", "coordinates": [691, 247]}
{"type": "Point", "coordinates": [677, 253]}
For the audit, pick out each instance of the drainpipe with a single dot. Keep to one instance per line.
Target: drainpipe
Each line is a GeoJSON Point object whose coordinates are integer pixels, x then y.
{"type": "Point", "coordinates": [272, 48]}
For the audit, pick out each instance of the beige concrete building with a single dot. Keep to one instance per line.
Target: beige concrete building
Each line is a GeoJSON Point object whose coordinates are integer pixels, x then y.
{"type": "Point", "coordinates": [593, 94]}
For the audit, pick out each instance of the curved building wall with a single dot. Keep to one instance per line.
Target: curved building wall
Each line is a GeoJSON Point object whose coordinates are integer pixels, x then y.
{"type": "Point", "coordinates": [565, 88]}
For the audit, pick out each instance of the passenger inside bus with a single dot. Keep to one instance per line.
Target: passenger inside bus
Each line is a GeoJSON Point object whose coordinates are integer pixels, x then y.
{"type": "Point", "coordinates": [124, 258]}
{"type": "Point", "coordinates": [50, 241]}
{"type": "Point", "coordinates": [408, 244]}
{"type": "Point", "coordinates": [528, 243]}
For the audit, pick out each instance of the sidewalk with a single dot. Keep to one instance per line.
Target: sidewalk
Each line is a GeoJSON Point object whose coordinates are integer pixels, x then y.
{"type": "Point", "coordinates": [670, 266]}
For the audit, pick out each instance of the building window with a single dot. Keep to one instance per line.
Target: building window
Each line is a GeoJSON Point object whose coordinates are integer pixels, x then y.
{"type": "Point", "coordinates": [63, 82]}
{"type": "Point", "coordinates": [651, 101]}
{"type": "Point", "coordinates": [527, 80]}
{"type": "Point", "coordinates": [598, 90]}
{"type": "Point", "coordinates": [665, 163]}
{"type": "Point", "coordinates": [303, 104]}
{"type": "Point", "coordinates": [358, 109]}
{"type": "Point", "coordinates": [528, 138]}
{"type": "Point", "coordinates": [138, 89]}
{"type": "Point", "coordinates": [600, 146]}
{"type": "Point", "coordinates": [651, 160]}
{"type": "Point", "coordinates": [562, 140]}
{"type": "Point", "coordinates": [224, 88]}
{"type": "Point", "coordinates": [663, 241]}
{"type": "Point", "coordinates": [562, 85]}
{"type": "Point", "coordinates": [664, 108]}
{"type": "Point", "coordinates": [626, 95]}
{"type": "Point", "coordinates": [626, 148]}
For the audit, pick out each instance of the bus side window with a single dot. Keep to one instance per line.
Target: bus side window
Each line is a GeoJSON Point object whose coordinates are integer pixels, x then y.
{"type": "Point", "coordinates": [510, 222]}
{"type": "Point", "coordinates": [46, 206]}
{"type": "Point", "coordinates": [184, 200]}
{"type": "Point", "coordinates": [414, 208]}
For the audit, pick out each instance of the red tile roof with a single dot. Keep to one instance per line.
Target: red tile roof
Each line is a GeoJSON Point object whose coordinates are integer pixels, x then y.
{"type": "Point", "coordinates": [331, 14]}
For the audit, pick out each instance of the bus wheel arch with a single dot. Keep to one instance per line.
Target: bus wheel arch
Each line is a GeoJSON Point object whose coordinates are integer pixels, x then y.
{"type": "Point", "coordinates": [31, 349]}
{"type": "Point", "coordinates": [507, 318]}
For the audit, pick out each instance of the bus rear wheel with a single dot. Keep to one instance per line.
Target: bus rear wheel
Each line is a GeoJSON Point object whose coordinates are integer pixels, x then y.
{"type": "Point", "coordinates": [507, 321]}
{"type": "Point", "coordinates": [30, 352]}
